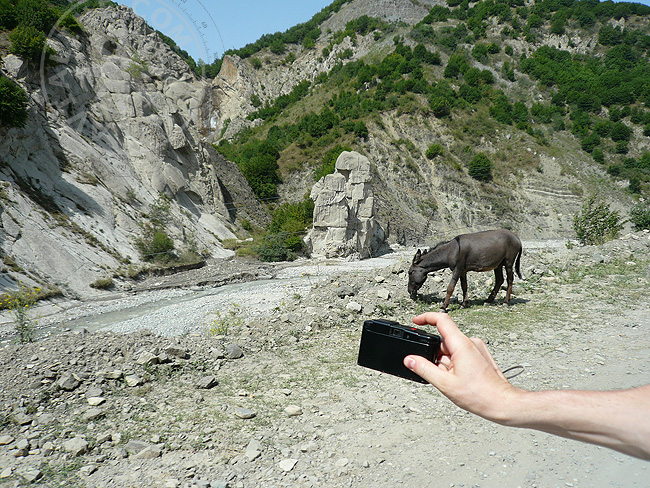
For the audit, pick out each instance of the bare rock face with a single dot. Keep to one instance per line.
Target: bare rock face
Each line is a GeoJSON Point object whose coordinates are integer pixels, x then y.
{"type": "Point", "coordinates": [112, 126]}
{"type": "Point", "coordinates": [344, 220]}
{"type": "Point", "coordinates": [389, 10]}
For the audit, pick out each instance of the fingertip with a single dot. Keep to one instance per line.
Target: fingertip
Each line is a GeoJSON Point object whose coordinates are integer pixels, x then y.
{"type": "Point", "coordinates": [409, 362]}
{"type": "Point", "coordinates": [422, 367]}
{"type": "Point", "coordinates": [430, 318]}
{"type": "Point", "coordinates": [420, 319]}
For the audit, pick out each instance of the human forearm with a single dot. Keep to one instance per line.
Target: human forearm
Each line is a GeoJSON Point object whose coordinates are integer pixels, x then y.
{"type": "Point", "coordinates": [614, 419]}
{"type": "Point", "coordinates": [467, 374]}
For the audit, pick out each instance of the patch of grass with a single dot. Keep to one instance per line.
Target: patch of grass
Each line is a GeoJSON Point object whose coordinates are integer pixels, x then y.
{"type": "Point", "coordinates": [102, 283]}
{"type": "Point", "coordinates": [62, 473]}
{"type": "Point", "coordinates": [625, 270]}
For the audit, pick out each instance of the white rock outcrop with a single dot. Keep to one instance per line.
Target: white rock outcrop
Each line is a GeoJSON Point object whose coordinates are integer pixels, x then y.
{"type": "Point", "coordinates": [114, 124]}
{"type": "Point", "coordinates": [344, 221]}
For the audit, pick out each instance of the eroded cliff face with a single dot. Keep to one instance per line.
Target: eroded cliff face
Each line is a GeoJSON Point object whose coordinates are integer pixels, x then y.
{"type": "Point", "coordinates": [420, 200]}
{"type": "Point", "coordinates": [114, 123]}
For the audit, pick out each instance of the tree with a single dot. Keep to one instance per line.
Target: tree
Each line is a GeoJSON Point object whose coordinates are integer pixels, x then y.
{"type": "Point", "coordinates": [360, 130]}
{"type": "Point", "coordinates": [27, 42]}
{"type": "Point", "coordinates": [596, 223]}
{"type": "Point", "coordinates": [13, 104]}
{"type": "Point", "coordinates": [620, 132]}
{"type": "Point", "coordinates": [440, 106]}
{"type": "Point", "coordinates": [590, 142]}
{"type": "Point", "coordinates": [277, 46]}
{"type": "Point", "coordinates": [480, 168]}
{"type": "Point", "coordinates": [640, 216]}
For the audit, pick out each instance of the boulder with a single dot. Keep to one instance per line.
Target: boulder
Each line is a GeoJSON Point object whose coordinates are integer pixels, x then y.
{"type": "Point", "coordinates": [344, 221]}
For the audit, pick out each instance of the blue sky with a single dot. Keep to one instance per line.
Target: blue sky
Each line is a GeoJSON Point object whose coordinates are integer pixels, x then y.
{"type": "Point", "coordinates": [205, 29]}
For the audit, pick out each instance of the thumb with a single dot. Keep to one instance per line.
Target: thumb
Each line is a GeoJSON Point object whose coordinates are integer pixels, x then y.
{"type": "Point", "coordinates": [425, 369]}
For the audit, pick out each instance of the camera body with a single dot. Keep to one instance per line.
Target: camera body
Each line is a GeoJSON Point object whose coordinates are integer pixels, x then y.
{"type": "Point", "coordinates": [385, 344]}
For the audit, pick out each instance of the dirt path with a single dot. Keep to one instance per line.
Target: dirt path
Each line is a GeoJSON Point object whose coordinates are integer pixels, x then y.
{"type": "Point", "coordinates": [580, 319]}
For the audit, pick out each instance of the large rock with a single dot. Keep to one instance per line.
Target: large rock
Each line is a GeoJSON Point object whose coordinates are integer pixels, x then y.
{"type": "Point", "coordinates": [344, 214]}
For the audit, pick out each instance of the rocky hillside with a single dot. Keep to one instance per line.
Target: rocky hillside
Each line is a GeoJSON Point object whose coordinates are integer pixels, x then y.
{"type": "Point", "coordinates": [112, 142]}
{"type": "Point", "coordinates": [433, 86]}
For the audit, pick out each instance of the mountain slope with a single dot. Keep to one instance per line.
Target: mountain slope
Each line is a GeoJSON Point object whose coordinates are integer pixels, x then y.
{"type": "Point", "coordinates": [501, 80]}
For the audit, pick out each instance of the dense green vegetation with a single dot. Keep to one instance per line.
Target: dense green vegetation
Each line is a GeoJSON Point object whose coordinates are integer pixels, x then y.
{"type": "Point", "coordinates": [598, 97]}
{"type": "Point", "coordinates": [30, 21]}
{"type": "Point", "coordinates": [283, 242]}
{"type": "Point", "coordinates": [13, 104]}
{"type": "Point", "coordinates": [367, 89]}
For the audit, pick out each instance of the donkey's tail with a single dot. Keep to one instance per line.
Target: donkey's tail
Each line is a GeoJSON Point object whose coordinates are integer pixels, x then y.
{"type": "Point", "coordinates": [517, 262]}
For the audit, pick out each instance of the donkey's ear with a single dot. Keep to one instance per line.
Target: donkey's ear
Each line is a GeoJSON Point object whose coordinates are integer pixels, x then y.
{"type": "Point", "coordinates": [417, 256]}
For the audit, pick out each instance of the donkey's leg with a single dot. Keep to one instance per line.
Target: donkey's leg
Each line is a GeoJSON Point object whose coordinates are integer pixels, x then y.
{"type": "Point", "coordinates": [450, 289]}
{"type": "Point", "coordinates": [511, 278]}
{"type": "Point", "coordinates": [498, 281]}
{"type": "Point", "coordinates": [463, 285]}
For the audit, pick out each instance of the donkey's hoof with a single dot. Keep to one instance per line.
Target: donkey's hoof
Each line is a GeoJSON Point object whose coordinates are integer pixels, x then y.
{"type": "Point", "coordinates": [443, 310]}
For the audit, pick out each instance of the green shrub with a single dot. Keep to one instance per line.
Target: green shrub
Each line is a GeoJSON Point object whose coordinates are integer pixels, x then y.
{"type": "Point", "coordinates": [440, 106]}
{"type": "Point", "coordinates": [590, 142]}
{"type": "Point", "coordinates": [596, 223]}
{"type": "Point", "coordinates": [277, 46]}
{"type": "Point", "coordinates": [37, 14]}
{"type": "Point", "coordinates": [360, 130]}
{"type": "Point", "coordinates": [27, 42]}
{"type": "Point", "coordinates": [598, 155]}
{"type": "Point", "coordinates": [8, 15]}
{"type": "Point", "coordinates": [277, 247]}
{"type": "Point", "coordinates": [258, 163]}
{"type": "Point", "coordinates": [156, 246]}
{"type": "Point", "coordinates": [640, 216]}
{"type": "Point", "coordinates": [620, 132]}
{"type": "Point", "coordinates": [13, 104]}
{"type": "Point", "coordinates": [70, 23]}
{"type": "Point", "coordinates": [480, 167]}
{"type": "Point", "coordinates": [434, 151]}
{"type": "Point", "coordinates": [19, 303]}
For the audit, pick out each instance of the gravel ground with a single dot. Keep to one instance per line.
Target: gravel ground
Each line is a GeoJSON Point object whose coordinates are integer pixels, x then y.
{"type": "Point", "coordinates": [256, 385]}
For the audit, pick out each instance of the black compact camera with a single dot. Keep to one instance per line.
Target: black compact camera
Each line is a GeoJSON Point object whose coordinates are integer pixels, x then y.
{"type": "Point", "coordinates": [385, 344]}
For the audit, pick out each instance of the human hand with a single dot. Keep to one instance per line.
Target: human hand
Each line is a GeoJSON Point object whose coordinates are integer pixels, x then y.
{"type": "Point", "coordinates": [466, 373]}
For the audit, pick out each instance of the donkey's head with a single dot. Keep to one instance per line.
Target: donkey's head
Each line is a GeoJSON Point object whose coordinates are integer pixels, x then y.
{"type": "Point", "coordinates": [417, 275]}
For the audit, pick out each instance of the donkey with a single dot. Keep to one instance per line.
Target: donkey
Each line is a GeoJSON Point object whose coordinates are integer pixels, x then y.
{"type": "Point", "coordinates": [481, 251]}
